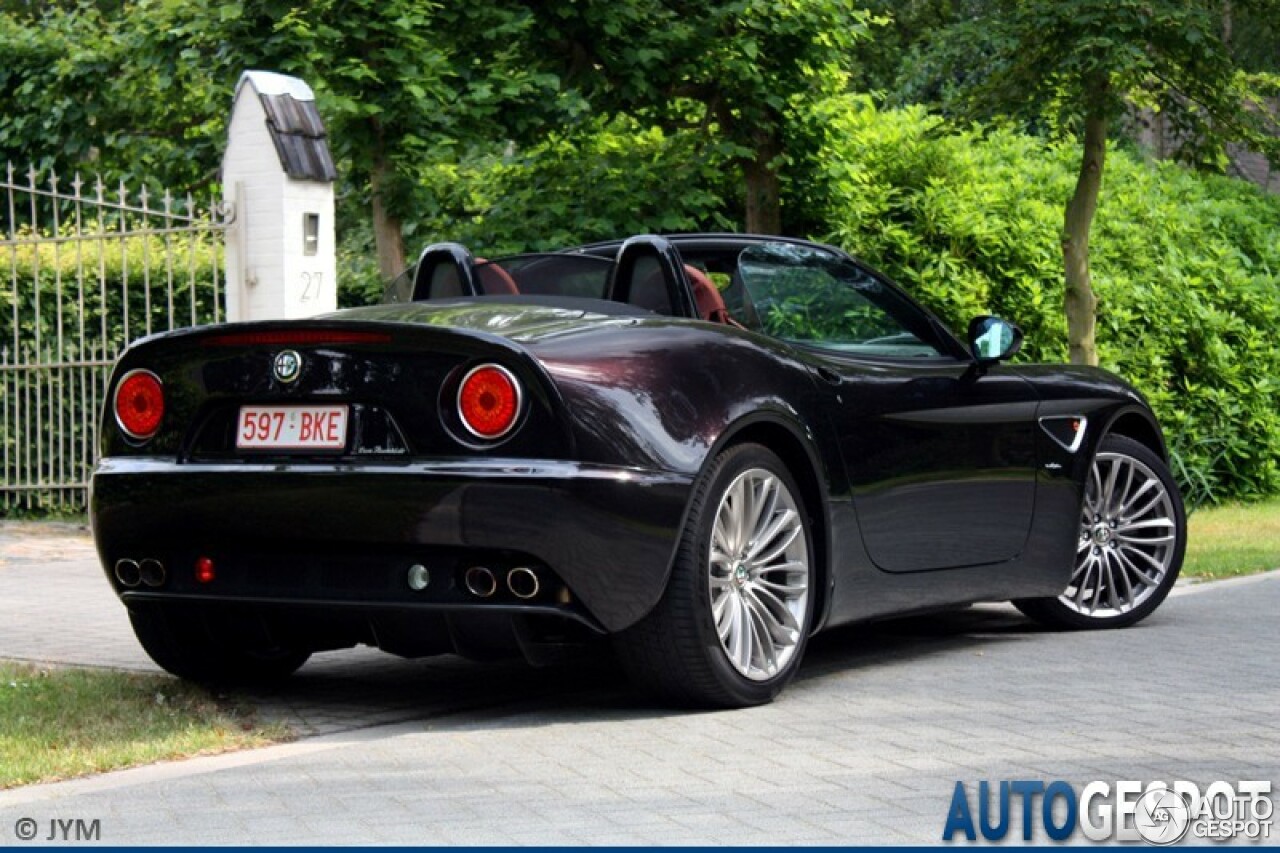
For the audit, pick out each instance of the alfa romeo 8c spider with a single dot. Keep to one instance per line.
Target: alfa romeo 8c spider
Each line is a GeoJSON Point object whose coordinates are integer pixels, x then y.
{"type": "Point", "coordinates": [697, 449]}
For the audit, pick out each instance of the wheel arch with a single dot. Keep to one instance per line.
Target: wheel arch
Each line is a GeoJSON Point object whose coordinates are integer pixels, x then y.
{"type": "Point", "coordinates": [795, 446]}
{"type": "Point", "coordinates": [1139, 425]}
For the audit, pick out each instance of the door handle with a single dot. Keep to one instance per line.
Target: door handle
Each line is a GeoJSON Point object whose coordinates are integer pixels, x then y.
{"type": "Point", "coordinates": [829, 376]}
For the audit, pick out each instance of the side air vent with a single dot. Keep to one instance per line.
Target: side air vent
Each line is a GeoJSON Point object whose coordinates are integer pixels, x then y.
{"type": "Point", "coordinates": [1067, 430]}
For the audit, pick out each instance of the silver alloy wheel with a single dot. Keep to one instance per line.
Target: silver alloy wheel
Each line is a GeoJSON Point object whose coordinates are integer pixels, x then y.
{"type": "Point", "coordinates": [759, 574]}
{"type": "Point", "coordinates": [1128, 535]}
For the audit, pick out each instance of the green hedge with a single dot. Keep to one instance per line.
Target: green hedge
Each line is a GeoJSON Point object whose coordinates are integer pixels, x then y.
{"type": "Point", "coordinates": [1186, 266]}
{"type": "Point", "coordinates": [108, 273]}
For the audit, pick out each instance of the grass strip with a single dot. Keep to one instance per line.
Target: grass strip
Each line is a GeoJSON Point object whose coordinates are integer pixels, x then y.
{"type": "Point", "coordinates": [56, 723]}
{"type": "Point", "coordinates": [1233, 539]}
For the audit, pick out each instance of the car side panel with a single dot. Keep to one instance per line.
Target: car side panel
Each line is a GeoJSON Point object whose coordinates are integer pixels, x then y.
{"type": "Point", "coordinates": [659, 394]}
{"type": "Point", "coordinates": [1044, 568]}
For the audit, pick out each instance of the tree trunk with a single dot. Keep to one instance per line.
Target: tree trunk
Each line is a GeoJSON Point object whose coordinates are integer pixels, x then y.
{"type": "Point", "coordinates": [764, 187]}
{"type": "Point", "coordinates": [388, 237]}
{"type": "Point", "coordinates": [1081, 304]}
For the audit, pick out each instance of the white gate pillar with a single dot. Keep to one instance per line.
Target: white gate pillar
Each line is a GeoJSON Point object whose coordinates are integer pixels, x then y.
{"type": "Point", "coordinates": [278, 173]}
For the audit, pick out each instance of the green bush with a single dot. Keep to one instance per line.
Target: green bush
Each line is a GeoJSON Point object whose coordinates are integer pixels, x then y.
{"type": "Point", "coordinates": [113, 278]}
{"type": "Point", "coordinates": [1186, 266]}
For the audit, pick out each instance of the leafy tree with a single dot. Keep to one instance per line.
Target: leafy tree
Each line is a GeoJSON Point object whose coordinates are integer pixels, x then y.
{"type": "Point", "coordinates": [732, 68]}
{"type": "Point", "coordinates": [142, 88]}
{"type": "Point", "coordinates": [408, 83]}
{"type": "Point", "coordinates": [1079, 65]}
{"type": "Point", "coordinates": [85, 88]}
{"type": "Point", "coordinates": [1251, 30]}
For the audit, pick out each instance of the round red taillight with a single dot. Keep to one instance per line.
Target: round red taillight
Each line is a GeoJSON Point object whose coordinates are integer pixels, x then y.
{"type": "Point", "coordinates": [139, 404]}
{"type": "Point", "coordinates": [489, 401]}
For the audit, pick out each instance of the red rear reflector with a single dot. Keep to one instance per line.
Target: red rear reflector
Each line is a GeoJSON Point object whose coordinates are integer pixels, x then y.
{"type": "Point", "coordinates": [204, 570]}
{"type": "Point", "coordinates": [139, 404]}
{"type": "Point", "coordinates": [296, 337]}
{"type": "Point", "coordinates": [489, 401]}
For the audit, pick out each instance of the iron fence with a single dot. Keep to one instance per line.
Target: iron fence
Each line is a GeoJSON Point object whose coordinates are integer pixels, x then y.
{"type": "Point", "coordinates": [89, 270]}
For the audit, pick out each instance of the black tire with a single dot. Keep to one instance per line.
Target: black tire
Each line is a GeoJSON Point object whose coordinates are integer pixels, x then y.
{"type": "Point", "coordinates": [1059, 611]}
{"type": "Point", "coordinates": [675, 652]}
{"type": "Point", "coordinates": [184, 645]}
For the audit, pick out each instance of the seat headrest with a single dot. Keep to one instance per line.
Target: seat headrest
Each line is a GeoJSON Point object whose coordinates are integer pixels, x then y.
{"type": "Point", "coordinates": [494, 280]}
{"type": "Point", "coordinates": [710, 303]}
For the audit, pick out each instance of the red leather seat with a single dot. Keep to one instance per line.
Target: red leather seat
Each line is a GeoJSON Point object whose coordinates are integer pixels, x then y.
{"type": "Point", "coordinates": [494, 280]}
{"type": "Point", "coordinates": [710, 303]}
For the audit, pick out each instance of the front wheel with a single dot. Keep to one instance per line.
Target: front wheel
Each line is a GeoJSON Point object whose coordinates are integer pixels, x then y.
{"type": "Point", "coordinates": [732, 625]}
{"type": "Point", "coordinates": [1132, 536]}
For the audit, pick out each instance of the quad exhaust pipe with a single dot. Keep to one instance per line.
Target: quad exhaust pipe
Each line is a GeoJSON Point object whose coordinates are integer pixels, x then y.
{"type": "Point", "coordinates": [523, 583]}
{"type": "Point", "coordinates": [128, 573]}
{"type": "Point", "coordinates": [480, 582]}
{"type": "Point", "coordinates": [152, 572]}
{"type": "Point", "coordinates": [134, 573]}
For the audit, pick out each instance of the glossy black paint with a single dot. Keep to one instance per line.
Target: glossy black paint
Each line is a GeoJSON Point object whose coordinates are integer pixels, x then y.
{"type": "Point", "coordinates": [930, 481]}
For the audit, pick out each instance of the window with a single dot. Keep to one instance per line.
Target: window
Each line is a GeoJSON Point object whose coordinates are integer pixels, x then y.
{"type": "Point", "coordinates": [806, 295]}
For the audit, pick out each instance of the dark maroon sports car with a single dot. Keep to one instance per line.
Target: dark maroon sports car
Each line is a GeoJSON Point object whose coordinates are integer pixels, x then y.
{"type": "Point", "coordinates": [702, 448]}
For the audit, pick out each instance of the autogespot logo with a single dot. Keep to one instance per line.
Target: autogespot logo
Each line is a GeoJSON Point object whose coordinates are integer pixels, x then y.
{"type": "Point", "coordinates": [1157, 813]}
{"type": "Point", "coordinates": [1162, 816]}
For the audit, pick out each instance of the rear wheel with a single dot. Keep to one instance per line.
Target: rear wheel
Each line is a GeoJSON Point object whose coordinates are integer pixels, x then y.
{"type": "Point", "coordinates": [1132, 535]}
{"type": "Point", "coordinates": [184, 645]}
{"type": "Point", "coordinates": [732, 625]}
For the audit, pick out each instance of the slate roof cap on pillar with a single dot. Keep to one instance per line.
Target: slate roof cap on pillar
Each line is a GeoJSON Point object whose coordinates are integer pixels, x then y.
{"type": "Point", "coordinates": [294, 124]}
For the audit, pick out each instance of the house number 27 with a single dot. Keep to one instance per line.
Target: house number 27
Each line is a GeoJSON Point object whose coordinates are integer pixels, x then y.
{"type": "Point", "coordinates": [311, 282]}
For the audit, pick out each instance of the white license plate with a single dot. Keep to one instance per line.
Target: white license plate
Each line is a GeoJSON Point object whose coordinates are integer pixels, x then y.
{"type": "Point", "coordinates": [292, 428]}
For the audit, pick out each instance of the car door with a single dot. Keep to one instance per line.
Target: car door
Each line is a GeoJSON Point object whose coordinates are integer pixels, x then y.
{"type": "Point", "coordinates": [940, 454]}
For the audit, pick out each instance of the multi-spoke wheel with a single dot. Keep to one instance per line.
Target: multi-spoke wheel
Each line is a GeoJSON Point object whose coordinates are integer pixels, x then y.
{"type": "Point", "coordinates": [1130, 543]}
{"type": "Point", "coordinates": [759, 574]}
{"type": "Point", "coordinates": [732, 626]}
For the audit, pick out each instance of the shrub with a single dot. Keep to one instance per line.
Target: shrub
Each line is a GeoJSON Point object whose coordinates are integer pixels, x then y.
{"type": "Point", "coordinates": [92, 280]}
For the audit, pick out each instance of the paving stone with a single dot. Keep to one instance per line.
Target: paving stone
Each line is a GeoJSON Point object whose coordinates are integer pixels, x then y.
{"type": "Point", "coordinates": [866, 745]}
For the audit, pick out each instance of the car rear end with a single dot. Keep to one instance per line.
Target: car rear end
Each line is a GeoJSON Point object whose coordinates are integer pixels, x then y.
{"type": "Point", "coordinates": [328, 483]}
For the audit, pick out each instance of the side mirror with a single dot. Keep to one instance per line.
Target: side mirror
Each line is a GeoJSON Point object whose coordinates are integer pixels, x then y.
{"type": "Point", "coordinates": [992, 339]}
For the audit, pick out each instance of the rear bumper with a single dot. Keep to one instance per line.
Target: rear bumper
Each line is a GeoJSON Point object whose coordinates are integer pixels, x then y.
{"type": "Point", "coordinates": [334, 535]}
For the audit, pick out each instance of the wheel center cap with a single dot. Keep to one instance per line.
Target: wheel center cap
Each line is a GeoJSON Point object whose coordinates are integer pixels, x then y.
{"type": "Point", "coordinates": [1101, 534]}
{"type": "Point", "coordinates": [740, 575]}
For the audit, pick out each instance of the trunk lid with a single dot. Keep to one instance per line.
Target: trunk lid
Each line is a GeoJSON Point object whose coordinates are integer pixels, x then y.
{"type": "Point", "coordinates": [387, 387]}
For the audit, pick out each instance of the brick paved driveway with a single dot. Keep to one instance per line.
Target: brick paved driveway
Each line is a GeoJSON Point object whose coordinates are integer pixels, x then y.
{"type": "Point", "coordinates": [865, 747]}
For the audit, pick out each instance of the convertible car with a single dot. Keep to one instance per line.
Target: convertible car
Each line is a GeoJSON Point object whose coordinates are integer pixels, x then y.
{"type": "Point", "coordinates": [700, 449]}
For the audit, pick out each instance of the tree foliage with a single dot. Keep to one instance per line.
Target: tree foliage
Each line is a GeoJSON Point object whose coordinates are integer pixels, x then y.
{"type": "Point", "coordinates": [87, 89]}
{"type": "Point", "coordinates": [733, 68]}
{"type": "Point", "coordinates": [144, 88]}
{"type": "Point", "coordinates": [1079, 64]}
